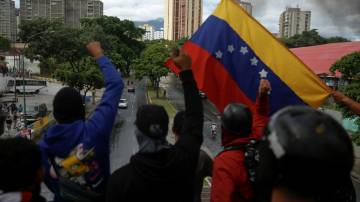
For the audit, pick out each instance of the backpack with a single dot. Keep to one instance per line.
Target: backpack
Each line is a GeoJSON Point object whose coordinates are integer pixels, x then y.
{"type": "Point", "coordinates": [251, 154]}
{"type": "Point", "coordinates": [71, 191]}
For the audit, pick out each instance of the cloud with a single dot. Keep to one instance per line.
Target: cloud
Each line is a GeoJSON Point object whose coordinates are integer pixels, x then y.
{"type": "Point", "coordinates": [134, 10]}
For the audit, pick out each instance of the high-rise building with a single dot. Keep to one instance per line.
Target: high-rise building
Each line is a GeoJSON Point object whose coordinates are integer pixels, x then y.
{"type": "Point", "coordinates": [246, 5]}
{"type": "Point", "coordinates": [149, 32]}
{"type": "Point", "coordinates": [7, 19]}
{"type": "Point", "coordinates": [182, 18]}
{"type": "Point", "coordinates": [67, 11]}
{"type": "Point", "coordinates": [159, 34]}
{"type": "Point", "coordinates": [78, 9]}
{"type": "Point", "coordinates": [49, 9]}
{"type": "Point", "coordinates": [294, 21]}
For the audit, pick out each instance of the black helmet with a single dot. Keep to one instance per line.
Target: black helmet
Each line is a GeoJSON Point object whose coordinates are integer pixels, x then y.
{"type": "Point", "coordinates": [306, 151]}
{"type": "Point", "coordinates": [237, 119]}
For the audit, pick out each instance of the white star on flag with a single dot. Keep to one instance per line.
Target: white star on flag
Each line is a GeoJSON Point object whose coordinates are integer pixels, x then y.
{"type": "Point", "coordinates": [254, 61]}
{"type": "Point", "coordinates": [244, 50]}
{"type": "Point", "coordinates": [231, 48]}
{"type": "Point", "coordinates": [219, 54]}
{"type": "Point", "coordinates": [263, 74]}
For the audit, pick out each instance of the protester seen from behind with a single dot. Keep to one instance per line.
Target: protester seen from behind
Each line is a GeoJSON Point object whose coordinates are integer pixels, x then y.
{"type": "Point", "coordinates": [21, 171]}
{"type": "Point", "coordinates": [230, 180]}
{"type": "Point", "coordinates": [161, 172]}
{"type": "Point", "coordinates": [204, 165]}
{"type": "Point", "coordinates": [306, 156]}
{"type": "Point", "coordinates": [76, 151]}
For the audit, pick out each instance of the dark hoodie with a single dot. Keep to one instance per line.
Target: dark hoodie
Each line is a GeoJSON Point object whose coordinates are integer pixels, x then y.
{"type": "Point", "coordinates": [167, 175]}
{"type": "Point", "coordinates": [61, 139]}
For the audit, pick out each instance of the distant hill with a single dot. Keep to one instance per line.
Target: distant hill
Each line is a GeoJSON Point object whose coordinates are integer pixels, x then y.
{"type": "Point", "coordinates": [157, 23]}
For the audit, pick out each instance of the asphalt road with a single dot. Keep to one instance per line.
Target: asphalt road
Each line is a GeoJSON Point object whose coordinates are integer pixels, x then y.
{"type": "Point", "coordinates": [123, 141]}
{"type": "Point", "coordinates": [211, 115]}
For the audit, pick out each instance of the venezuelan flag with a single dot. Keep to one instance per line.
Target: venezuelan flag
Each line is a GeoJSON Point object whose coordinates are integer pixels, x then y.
{"type": "Point", "coordinates": [232, 52]}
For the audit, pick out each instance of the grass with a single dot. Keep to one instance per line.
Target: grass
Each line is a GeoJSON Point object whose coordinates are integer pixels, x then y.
{"type": "Point", "coordinates": [162, 101]}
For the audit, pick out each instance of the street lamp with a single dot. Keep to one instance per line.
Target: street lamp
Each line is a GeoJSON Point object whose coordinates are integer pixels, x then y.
{"type": "Point", "coordinates": [23, 69]}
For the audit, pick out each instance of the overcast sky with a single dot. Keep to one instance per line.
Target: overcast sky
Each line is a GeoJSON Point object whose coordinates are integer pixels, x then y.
{"type": "Point", "coordinates": [330, 17]}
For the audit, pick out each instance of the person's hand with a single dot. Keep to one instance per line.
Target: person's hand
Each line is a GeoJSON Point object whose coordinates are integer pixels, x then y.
{"type": "Point", "coordinates": [95, 49]}
{"type": "Point", "coordinates": [339, 97]}
{"type": "Point", "coordinates": [264, 87]}
{"type": "Point", "coordinates": [181, 59]}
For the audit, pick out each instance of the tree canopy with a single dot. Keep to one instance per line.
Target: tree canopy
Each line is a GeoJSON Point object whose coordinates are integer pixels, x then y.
{"type": "Point", "coordinates": [349, 66]}
{"type": "Point", "coordinates": [310, 38]}
{"type": "Point", "coordinates": [63, 49]}
{"type": "Point", "coordinates": [4, 44]}
{"type": "Point", "coordinates": [151, 63]}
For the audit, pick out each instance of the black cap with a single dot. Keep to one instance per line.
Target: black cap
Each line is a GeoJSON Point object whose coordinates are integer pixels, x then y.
{"type": "Point", "coordinates": [68, 106]}
{"type": "Point", "coordinates": [152, 120]}
{"type": "Point", "coordinates": [237, 119]}
{"type": "Point", "coordinates": [306, 151]}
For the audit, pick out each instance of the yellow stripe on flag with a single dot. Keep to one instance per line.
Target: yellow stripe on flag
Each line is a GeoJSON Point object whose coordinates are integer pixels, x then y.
{"type": "Point", "coordinates": [274, 54]}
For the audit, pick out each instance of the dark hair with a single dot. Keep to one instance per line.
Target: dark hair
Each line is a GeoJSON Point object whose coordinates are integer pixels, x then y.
{"type": "Point", "coordinates": [68, 106]}
{"type": "Point", "coordinates": [152, 120]}
{"type": "Point", "coordinates": [178, 122]}
{"type": "Point", "coordinates": [20, 160]}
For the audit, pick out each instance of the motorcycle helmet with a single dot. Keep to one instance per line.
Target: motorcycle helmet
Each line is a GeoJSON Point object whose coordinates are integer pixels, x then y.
{"type": "Point", "coordinates": [237, 119]}
{"type": "Point", "coordinates": [308, 152]}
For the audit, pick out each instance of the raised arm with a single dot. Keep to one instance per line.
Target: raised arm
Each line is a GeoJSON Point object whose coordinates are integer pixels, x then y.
{"type": "Point", "coordinates": [192, 131]}
{"type": "Point", "coordinates": [261, 114]}
{"type": "Point", "coordinates": [104, 115]}
{"type": "Point", "coordinates": [348, 102]}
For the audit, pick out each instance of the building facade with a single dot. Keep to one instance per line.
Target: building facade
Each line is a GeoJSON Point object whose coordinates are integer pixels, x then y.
{"type": "Point", "coordinates": [77, 9]}
{"type": "Point", "coordinates": [67, 11]}
{"type": "Point", "coordinates": [159, 34]}
{"type": "Point", "coordinates": [294, 21]}
{"type": "Point", "coordinates": [8, 27]}
{"type": "Point", "coordinates": [182, 18]}
{"type": "Point", "coordinates": [246, 5]}
{"type": "Point", "coordinates": [149, 32]}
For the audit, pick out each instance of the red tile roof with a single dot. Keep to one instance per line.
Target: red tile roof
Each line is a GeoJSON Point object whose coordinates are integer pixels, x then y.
{"type": "Point", "coordinates": [320, 58]}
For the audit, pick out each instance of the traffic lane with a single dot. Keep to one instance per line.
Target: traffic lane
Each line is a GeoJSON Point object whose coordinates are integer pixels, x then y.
{"type": "Point", "coordinates": [213, 144]}
{"type": "Point", "coordinates": [123, 141]}
{"type": "Point", "coordinates": [176, 95]}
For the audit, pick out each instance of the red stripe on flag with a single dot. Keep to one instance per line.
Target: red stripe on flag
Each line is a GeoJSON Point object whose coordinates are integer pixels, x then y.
{"type": "Point", "coordinates": [213, 79]}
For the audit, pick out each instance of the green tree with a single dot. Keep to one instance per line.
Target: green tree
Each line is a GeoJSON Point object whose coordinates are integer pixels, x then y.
{"type": "Point", "coordinates": [62, 49]}
{"type": "Point", "coordinates": [151, 63]}
{"type": "Point", "coordinates": [87, 77]}
{"type": "Point", "coordinates": [124, 39]}
{"type": "Point", "coordinates": [337, 39]}
{"type": "Point", "coordinates": [310, 38]}
{"type": "Point", "coordinates": [4, 44]}
{"type": "Point", "coordinates": [349, 66]}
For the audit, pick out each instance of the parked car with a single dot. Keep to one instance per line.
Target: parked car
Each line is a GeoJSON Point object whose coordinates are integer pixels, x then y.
{"type": "Point", "coordinates": [202, 95]}
{"type": "Point", "coordinates": [123, 104]}
{"type": "Point", "coordinates": [131, 89]}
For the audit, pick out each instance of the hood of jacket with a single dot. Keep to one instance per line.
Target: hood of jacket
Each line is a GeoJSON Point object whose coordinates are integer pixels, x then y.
{"type": "Point", "coordinates": [60, 139]}
{"type": "Point", "coordinates": [230, 139]}
{"type": "Point", "coordinates": [156, 167]}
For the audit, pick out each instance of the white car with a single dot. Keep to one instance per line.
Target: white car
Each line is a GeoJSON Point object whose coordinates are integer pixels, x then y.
{"type": "Point", "coordinates": [123, 104]}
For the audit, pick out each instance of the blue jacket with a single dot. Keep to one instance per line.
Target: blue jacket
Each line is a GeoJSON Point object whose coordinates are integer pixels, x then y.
{"type": "Point", "coordinates": [91, 135]}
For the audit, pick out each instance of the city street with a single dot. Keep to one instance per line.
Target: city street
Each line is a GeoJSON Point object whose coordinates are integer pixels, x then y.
{"type": "Point", "coordinates": [175, 93]}
{"type": "Point", "coordinates": [123, 141]}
